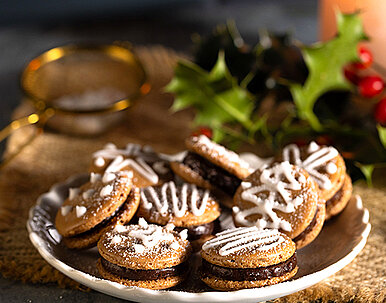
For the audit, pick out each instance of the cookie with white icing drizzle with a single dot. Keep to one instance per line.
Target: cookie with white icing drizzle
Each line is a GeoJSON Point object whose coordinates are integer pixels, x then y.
{"type": "Point", "coordinates": [147, 166]}
{"type": "Point", "coordinates": [281, 196]}
{"type": "Point", "coordinates": [144, 255]}
{"type": "Point", "coordinates": [95, 207]}
{"type": "Point", "coordinates": [184, 205]}
{"type": "Point", "coordinates": [212, 166]}
{"type": "Point", "coordinates": [323, 163]}
{"type": "Point", "coordinates": [247, 257]}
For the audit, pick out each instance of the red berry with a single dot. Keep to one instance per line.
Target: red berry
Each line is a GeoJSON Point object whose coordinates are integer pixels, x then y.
{"type": "Point", "coordinates": [351, 74]}
{"type": "Point", "coordinates": [365, 58]}
{"type": "Point", "coordinates": [370, 86]}
{"type": "Point", "coordinates": [380, 111]}
{"type": "Point", "coordinates": [203, 131]}
{"type": "Point", "coordinates": [324, 140]}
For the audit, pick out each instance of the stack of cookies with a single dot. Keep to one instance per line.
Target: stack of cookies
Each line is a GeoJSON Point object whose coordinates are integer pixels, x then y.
{"type": "Point", "coordinates": [147, 215]}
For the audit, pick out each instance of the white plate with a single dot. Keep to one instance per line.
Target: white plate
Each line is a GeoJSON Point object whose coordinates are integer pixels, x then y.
{"type": "Point", "coordinates": [340, 241]}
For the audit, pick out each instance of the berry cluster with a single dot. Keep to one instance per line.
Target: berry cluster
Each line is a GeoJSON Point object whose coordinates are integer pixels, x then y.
{"type": "Point", "coordinates": [369, 86]}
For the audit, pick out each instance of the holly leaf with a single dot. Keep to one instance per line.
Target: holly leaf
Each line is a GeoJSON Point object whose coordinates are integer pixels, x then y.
{"type": "Point", "coordinates": [325, 62]}
{"type": "Point", "coordinates": [367, 171]}
{"type": "Point", "coordinates": [382, 134]}
{"type": "Point", "coordinates": [215, 95]}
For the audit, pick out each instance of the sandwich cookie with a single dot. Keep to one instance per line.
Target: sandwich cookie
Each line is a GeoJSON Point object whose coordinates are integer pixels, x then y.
{"type": "Point", "coordinates": [247, 257]}
{"type": "Point", "coordinates": [339, 200]}
{"type": "Point", "coordinates": [282, 197]}
{"type": "Point", "coordinates": [210, 165]}
{"type": "Point", "coordinates": [148, 168]}
{"type": "Point", "coordinates": [185, 206]}
{"type": "Point", "coordinates": [97, 206]}
{"type": "Point", "coordinates": [144, 255]}
{"type": "Point", "coordinates": [323, 163]}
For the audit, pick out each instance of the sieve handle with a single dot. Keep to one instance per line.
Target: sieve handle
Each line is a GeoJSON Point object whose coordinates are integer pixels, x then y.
{"type": "Point", "coordinates": [39, 118]}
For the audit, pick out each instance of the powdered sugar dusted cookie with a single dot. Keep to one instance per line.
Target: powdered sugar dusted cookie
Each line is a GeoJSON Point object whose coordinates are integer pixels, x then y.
{"type": "Point", "coordinates": [184, 205]}
{"type": "Point", "coordinates": [103, 202]}
{"type": "Point", "coordinates": [147, 166]}
{"type": "Point", "coordinates": [247, 257]}
{"type": "Point", "coordinates": [282, 197]}
{"type": "Point", "coordinates": [210, 165]}
{"type": "Point", "coordinates": [323, 163]}
{"type": "Point", "coordinates": [339, 200]}
{"type": "Point", "coordinates": [144, 255]}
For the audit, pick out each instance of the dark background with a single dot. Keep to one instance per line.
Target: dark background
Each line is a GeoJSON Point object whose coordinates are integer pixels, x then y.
{"type": "Point", "coordinates": [28, 27]}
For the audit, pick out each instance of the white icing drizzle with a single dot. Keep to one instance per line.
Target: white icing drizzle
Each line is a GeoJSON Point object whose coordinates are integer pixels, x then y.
{"type": "Point", "coordinates": [160, 168]}
{"type": "Point", "coordinates": [72, 193]}
{"type": "Point", "coordinates": [99, 162]}
{"type": "Point", "coordinates": [119, 163]}
{"type": "Point", "coordinates": [331, 168]}
{"type": "Point", "coordinates": [318, 157]}
{"type": "Point", "coordinates": [234, 240]}
{"type": "Point", "coordinates": [88, 193]}
{"type": "Point", "coordinates": [116, 239]}
{"type": "Point", "coordinates": [265, 206]}
{"type": "Point", "coordinates": [211, 146]}
{"type": "Point", "coordinates": [94, 177]}
{"type": "Point", "coordinates": [152, 236]}
{"type": "Point", "coordinates": [184, 234]}
{"type": "Point", "coordinates": [108, 177]}
{"type": "Point", "coordinates": [105, 191]}
{"type": "Point", "coordinates": [178, 202]}
{"type": "Point", "coordinates": [110, 151]}
{"type": "Point", "coordinates": [80, 210]}
{"type": "Point", "coordinates": [65, 210]}
{"type": "Point", "coordinates": [120, 228]}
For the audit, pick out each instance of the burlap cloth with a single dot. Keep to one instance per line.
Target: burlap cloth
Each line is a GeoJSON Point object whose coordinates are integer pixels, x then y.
{"type": "Point", "coordinates": [53, 157]}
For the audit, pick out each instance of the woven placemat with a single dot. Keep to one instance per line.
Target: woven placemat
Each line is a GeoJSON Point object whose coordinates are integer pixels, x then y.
{"type": "Point", "coordinates": [52, 157]}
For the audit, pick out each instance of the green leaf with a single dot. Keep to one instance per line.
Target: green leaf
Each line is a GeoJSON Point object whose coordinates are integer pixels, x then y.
{"type": "Point", "coordinates": [367, 171]}
{"type": "Point", "coordinates": [382, 134]}
{"type": "Point", "coordinates": [215, 95]}
{"type": "Point", "coordinates": [325, 62]}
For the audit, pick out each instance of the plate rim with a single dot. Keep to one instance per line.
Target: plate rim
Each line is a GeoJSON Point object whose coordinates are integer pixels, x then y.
{"type": "Point", "coordinates": [148, 295]}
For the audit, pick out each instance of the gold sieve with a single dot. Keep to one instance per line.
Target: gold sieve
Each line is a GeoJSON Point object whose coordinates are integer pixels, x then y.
{"type": "Point", "coordinates": [79, 89]}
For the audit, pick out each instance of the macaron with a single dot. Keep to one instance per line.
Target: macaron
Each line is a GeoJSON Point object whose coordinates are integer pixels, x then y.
{"type": "Point", "coordinates": [144, 255]}
{"type": "Point", "coordinates": [247, 257]}
{"type": "Point", "coordinates": [323, 163]}
{"type": "Point", "coordinates": [97, 206]}
{"type": "Point", "coordinates": [281, 196]}
{"type": "Point", "coordinates": [185, 206]}
{"type": "Point", "coordinates": [147, 166]}
{"type": "Point", "coordinates": [210, 165]}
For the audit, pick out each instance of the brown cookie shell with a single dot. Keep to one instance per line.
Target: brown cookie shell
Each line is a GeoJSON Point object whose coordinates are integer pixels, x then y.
{"type": "Point", "coordinates": [251, 258]}
{"type": "Point", "coordinates": [98, 208]}
{"type": "Point", "coordinates": [229, 285]}
{"type": "Point", "coordinates": [162, 283]}
{"type": "Point", "coordinates": [303, 214]}
{"type": "Point", "coordinates": [339, 201]}
{"type": "Point", "coordinates": [160, 257]}
{"type": "Point", "coordinates": [124, 214]}
{"type": "Point", "coordinates": [211, 152]}
{"type": "Point", "coordinates": [313, 230]}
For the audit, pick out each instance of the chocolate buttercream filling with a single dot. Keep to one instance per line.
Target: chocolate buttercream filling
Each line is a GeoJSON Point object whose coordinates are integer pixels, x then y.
{"type": "Point", "coordinates": [144, 274]}
{"type": "Point", "coordinates": [212, 173]}
{"type": "Point", "coordinates": [197, 231]}
{"type": "Point", "coordinates": [249, 274]}
{"type": "Point", "coordinates": [310, 226]}
{"type": "Point", "coordinates": [335, 198]}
